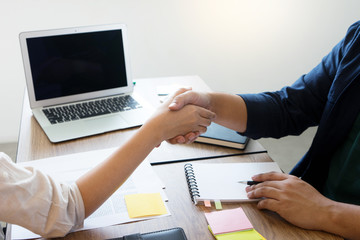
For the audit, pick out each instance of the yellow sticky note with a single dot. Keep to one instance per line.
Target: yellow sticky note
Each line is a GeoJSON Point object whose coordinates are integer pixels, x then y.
{"type": "Point", "coordinates": [242, 235]}
{"type": "Point", "coordinates": [144, 205]}
{"type": "Point", "coordinates": [251, 234]}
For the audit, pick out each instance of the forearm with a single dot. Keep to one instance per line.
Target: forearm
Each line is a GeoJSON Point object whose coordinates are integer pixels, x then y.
{"type": "Point", "coordinates": [230, 110]}
{"type": "Point", "coordinates": [98, 184]}
{"type": "Point", "coordinates": [342, 219]}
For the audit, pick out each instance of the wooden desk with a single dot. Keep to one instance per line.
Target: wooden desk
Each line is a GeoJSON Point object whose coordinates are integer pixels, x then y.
{"type": "Point", "coordinates": [33, 144]}
{"type": "Point", "coordinates": [192, 219]}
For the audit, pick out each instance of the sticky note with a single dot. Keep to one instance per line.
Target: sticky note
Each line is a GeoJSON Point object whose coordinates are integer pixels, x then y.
{"type": "Point", "coordinates": [230, 220]}
{"type": "Point", "coordinates": [207, 203]}
{"type": "Point", "coordinates": [218, 205]}
{"type": "Point", "coordinates": [145, 204]}
{"type": "Point", "coordinates": [251, 234]}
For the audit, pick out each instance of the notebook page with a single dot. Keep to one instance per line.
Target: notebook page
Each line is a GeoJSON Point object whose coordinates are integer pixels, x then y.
{"type": "Point", "coordinates": [219, 181]}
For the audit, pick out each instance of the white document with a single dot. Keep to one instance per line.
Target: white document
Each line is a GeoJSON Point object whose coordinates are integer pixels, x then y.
{"type": "Point", "coordinates": [70, 167]}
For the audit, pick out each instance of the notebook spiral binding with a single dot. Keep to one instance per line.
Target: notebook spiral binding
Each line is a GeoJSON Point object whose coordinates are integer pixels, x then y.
{"type": "Point", "coordinates": [191, 181]}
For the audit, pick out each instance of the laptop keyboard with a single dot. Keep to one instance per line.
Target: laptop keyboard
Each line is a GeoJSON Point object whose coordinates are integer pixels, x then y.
{"type": "Point", "coordinates": [90, 109]}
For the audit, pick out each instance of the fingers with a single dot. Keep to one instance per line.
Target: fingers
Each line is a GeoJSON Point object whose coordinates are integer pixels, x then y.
{"type": "Point", "coordinates": [203, 124]}
{"type": "Point", "coordinates": [191, 136]}
{"type": "Point", "coordinates": [269, 196]}
{"type": "Point", "coordinates": [207, 114]}
{"type": "Point", "coordinates": [270, 176]}
{"type": "Point", "coordinates": [182, 99]}
{"type": "Point", "coordinates": [186, 139]}
{"type": "Point", "coordinates": [179, 91]}
{"type": "Point", "coordinates": [262, 191]}
{"type": "Point", "coordinates": [191, 120]}
{"type": "Point", "coordinates": [171, 96]}
{"type": "Point", "coordinates": [270, 182]}
{"type": "Point", "coordinates": [176, 140]}
{"type": "Point", "coordinates": [271, 185]}
{"type": "Point", "coordinates": [197, 117]}
{"type": "Point", "coordinates": [270, 204]}
{"type": "Point", "coordinates": [274, 186]}
{"type": "Point", "coordinates": [203, 119]}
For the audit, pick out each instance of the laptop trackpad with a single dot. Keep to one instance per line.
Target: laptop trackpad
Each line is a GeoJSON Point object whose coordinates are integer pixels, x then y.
{"type": "Point", "coordinates": [85, 128]}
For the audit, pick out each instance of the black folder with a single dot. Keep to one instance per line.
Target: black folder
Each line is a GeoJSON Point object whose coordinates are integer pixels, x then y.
{"type": "Point", "coordinates": [167, 234]}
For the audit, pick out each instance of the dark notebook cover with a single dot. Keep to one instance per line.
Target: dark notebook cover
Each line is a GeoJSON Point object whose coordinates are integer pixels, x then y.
{"type": "Point", "coordinates": [222, 136]}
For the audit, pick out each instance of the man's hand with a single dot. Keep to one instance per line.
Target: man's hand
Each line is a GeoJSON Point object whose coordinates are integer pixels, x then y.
{"type": "Point", "coordinates": [292, 198]}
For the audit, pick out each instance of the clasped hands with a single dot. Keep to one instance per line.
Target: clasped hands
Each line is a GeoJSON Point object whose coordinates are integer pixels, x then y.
{"type": "Point", "coordinates": [182, 98]}
{"type": "Point", "coordinates": [292, 198]}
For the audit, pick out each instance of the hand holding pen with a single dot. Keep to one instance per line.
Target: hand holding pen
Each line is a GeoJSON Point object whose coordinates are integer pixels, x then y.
{"type": "Point", "coordinates": [250, 183]}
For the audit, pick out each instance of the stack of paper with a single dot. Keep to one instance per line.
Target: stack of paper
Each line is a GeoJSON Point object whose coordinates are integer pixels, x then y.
{"type": "Point", "coordinates": [231, 224]}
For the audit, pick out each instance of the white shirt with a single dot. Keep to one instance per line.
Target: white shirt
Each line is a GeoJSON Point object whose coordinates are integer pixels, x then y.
{"type": "Point", "coordinates": [33, 200]}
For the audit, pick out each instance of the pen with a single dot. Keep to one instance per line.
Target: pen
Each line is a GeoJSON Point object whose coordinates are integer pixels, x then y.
{"type": "Point", "coordinates": [249, 182]}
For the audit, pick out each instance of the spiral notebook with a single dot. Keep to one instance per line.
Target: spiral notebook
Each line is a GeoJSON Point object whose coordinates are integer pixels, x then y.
{"type": "Point", "coordinates": [219, 181]}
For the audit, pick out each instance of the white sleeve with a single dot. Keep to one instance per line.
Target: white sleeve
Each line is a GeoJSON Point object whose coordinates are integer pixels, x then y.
{"type": "Point", "coordinates": [33, 200]}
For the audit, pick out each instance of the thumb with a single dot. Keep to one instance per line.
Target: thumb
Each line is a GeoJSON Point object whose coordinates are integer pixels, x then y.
{"type": "Point", "coordinates": [177, 103]}
{"type": "Point", "coordinates": [171, 99]}
{"type": "Point", "coordinates": [181, 100]}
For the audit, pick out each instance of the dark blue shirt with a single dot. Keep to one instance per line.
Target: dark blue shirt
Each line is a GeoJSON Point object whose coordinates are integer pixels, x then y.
{"type": "Point", "coordinates": [328, 97]}
{"type": "Point", "coordinates": [343, 182]}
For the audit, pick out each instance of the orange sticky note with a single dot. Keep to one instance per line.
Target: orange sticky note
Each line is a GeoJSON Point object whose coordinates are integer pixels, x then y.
{"type": "Point", "coordinates": [207, 203]}
{"type": "Point", "coordinates": [145, 204]}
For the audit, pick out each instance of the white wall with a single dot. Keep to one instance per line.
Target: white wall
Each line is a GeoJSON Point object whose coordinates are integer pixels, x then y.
{"type": "Point", "coordinates": [234, 45]}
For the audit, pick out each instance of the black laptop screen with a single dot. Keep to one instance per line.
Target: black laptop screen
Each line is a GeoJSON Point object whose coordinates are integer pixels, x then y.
{"type": "Point", "coordinates": [76, 63]}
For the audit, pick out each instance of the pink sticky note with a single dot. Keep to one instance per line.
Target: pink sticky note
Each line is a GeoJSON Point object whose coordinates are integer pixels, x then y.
{"type": "Point", "coordinates": [226, 221]}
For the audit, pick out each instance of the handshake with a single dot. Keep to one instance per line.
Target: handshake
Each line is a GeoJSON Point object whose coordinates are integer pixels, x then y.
{"type": "Point", "coordinates": [225, 109]}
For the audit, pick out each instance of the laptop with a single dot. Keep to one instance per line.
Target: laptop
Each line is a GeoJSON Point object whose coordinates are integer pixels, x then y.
{"type": "Point", "coordinates": [79, 81]}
